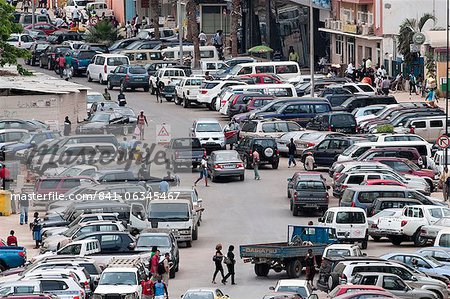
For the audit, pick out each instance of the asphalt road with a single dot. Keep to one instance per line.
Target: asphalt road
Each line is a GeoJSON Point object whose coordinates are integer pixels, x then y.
{"type": "Point", "coordinates": [235, 212]}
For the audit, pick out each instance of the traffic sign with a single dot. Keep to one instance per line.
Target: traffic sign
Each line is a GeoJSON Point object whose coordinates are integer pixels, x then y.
{"type": "Point", "coordinates": [163, 133]}
{"type": "Point", "coordinates": [443, 141]}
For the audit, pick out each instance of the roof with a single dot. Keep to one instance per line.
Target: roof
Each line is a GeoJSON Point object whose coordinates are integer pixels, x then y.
{"type": "Point", "coordinates": [357, 36]}
{"type": "Point", "coordinates": [40, 83]}
{"type": "Point", "coordinates": [436, 39]}
{"type": "Point", "coordinates": [376, 188]}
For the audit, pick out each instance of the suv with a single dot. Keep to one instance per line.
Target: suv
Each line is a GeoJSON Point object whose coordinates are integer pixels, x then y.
{"type": "Point", "coordinates": [238, 103]}
{"type": "Point", "coordinates": [335, 94]}
{"type": "Point", "coordinates": [256, 102]}
{"type": "Point", "coordinates": [344, 122]}
{"type": "Point", "coordinates": [208, 92]}
{"type": "Point", "coordinates": [362, 101]}
{"type": "Point", "coordinates": [309, 193]}
{"type": "Point", "coordinates": [345, 271]}
{"type": "Point", "coordinates": [187, 90]}
{"type": "Point", "coordinates": [48, 56]}
{"type": "Point", "coordinates": [36, 50]}
{"type": "Point", "coordinates": [27, 141]}
{"type": "Point", "coordinates": [164, 76]}
{"type": "Point", "coordinates": [266, 147]}
{"type": "Point", "coordinates": [381, 204]}
{"type": "Point", "coordinates": [64, 286]}
{"type": "Point", "coordinates": [210, 134]}
{"type": "Point", "coordinates": [326, 152]}
{"type": "Point", "coordinates": [102, 64]}
{"type": "Point", "coordinates": [268, 128]}
{"type": "Point", "coordinates": [129, 76]}
{"type": "Point", "coordinates": [410, 153]}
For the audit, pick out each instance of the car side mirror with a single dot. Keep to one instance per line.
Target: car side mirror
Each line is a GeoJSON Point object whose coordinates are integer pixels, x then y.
{"type": "Point", "coordinates": [112, 72]}
{"type": "Point", "coordinates": [320, 219]}
{"type": "Point", "coordinates": [289, 179]}
{"type": "Point", "coordinates": [131, 246]}
{"type": "Point", "coordinates": [364, 254]}
{"type": "Point", "coordinates": [272, 288]}
{"type": "Point", "coordinates": [328, 187]}
{"type": "Point", "coordinates": [406, 289]}
{"type": "Point", "coordinates": [413, 278]}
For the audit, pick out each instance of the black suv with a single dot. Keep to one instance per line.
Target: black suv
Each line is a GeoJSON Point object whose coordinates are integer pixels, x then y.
{"type": "Point", "coordinates": [326, 152]}
{"type": "Point", "coordinates": [266, 147]}
{"type": "Point", "coordinates": [363, 101]}
{"type": "Point", "coordinates": [36, 50]}
{"type": "Point", "coordinates": [336, 94]}
{"type": "Point", "coordinates": [343, 122]}
{"type": "Point", "coordinates": [48, 56]}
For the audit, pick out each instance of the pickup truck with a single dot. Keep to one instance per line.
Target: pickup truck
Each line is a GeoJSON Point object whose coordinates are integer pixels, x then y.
{"type": "Point", "coordinates": [184, 152]}
{"type": "Point", "coordinates": [288, 255]}
{"type": "Point", "coordinates": [186, 92]}
{"type": "Point", "coordinates": [12, 257]}
{"type": "Point", "coordinates": [164, 77]}
{"type": "Point", "coordinates": [408, 225]}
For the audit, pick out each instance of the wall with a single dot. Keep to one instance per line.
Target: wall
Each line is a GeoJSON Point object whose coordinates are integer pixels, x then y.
{"type": "Point", "coordinates": [49, 107]}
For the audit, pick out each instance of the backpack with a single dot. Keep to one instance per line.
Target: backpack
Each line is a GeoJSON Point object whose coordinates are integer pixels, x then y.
{"type": "Point", "coordinates": [161, 268]}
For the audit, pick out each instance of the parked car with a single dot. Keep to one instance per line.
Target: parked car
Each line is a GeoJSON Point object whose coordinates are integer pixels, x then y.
{"type": "Point", "coordinates": [268, 128]}
{"type": "Point", "coordinates": [343, 122]}
{"type": "Point", "coordinates": [266, 147]}
{"type": "Point", "coordinates": [298, 286]}
{"type": "Point", "coordinates": [430, 232]}
{"type": "Point", "coordinates": [362, 101]}
{"type": "Point", "coordinates": [264, 78]}
{"type": "Point", "coordinates": [48, 28]}
{"type": "Point", "coordinates": [81, 60]}
{"type": "Point", "coordinates": [99, 48]}
{"type": "Point", "coordinates": [185, 152]}
{"type": "Point", "coordinates": [297, 176]}
{"type": "Point", "coordinates": [225, 163]}
{"type": "Point", "coordinates": [381, 204]}
{"type": "Point", "coordinates": [102, 64]}
{"type": "Point", "coordinates": [29, 140]}
{"type": "Point", "coordinates": [60, 36]}
{"type": "Point", "coordinates": [129, 76]}
{"type": "Point", "coordinates": [187, 90]}
{"type": "Point", "coordinates": [36, 50]}
{"type": "Point", "coordinates": [169, 91]}
{"type": "Point", "coordinates": [355, 288]}
{"type": "Point", "coordinates": [48, 57]}
{"type": "Point", "coordinates": [20, 40]}
{"type": "Point", "coordinates": [256, 102]}
{"type": "Point", "coordinates": [335, 94]}
{"type": "Point", "coordinates": [209, 132]}
{"type": "Point", "coordinates": [310, 193]}
{"type": "Point", "coordinates": [441, 254]}
{"type": "Point", "coordinates": [423, 264]}
{"type": "Point", "coordinates": [108, 122]}
{"type": "Point", "coordinates": [29, 125]}
{"type": "Point", "coordinates": [374, 231]}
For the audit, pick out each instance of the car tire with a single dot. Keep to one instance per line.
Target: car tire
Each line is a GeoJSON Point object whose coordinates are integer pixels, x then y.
{"type": "Point", "coordinates": [395, 240]}
{"type": "Point", "coordinates": [241, 177]}
{"type": "Point", "coordinates": [291, 205]}
{"type": "Point", "coordinates": [89, 78]}
{"type": "Point", "coordinates": [364, 243]}
{"type": "Point", "coordinates": [288, 194]}
{"type": "Point", "coordinates": [333, 281]}
{"type": "Point", "coordinates": [275, 165]}
{"type": "Point", "coordinates": [262, 270]}
{"type": "Point", "coordinates": [294, 268]}
{"type": "Point", "coordinates": [376, 239]}
{"type": "Point", "coordinates": [213, 178]}
{"type": "Point", "coordinates": [195, 234]}
{"type": "Point", "coordinates": [110, 86]}
{"type": "Point", "coordinates": [295, 211]}
{"type": "Point", "coordinates": [146, 88]}
{"type": "Point", "coordinates": [212, 106]}
{"type": "Point", "coordinates": [188, 244]}
{"type": "Point", "coordinates": [418, 240]}
{"type": "Point", "coordinates": [172, 273]}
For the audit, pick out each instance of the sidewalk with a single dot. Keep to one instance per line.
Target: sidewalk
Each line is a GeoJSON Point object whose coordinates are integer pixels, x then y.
{"type": "Point", "coordinates": [403, 96]}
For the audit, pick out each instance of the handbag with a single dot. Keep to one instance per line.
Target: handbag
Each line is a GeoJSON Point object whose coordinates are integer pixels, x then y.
{"type": "Point", "coordinates": [227, 261]}
{"type": "Point", "coordinates": [217, 258]}
{"type": "Point", "coordinates": [137, 131]}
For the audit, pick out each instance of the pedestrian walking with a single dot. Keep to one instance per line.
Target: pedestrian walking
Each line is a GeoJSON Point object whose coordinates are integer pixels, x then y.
{"type": "Point", "coordinates": [121, 99]}
{"type": "Point", "coordinates": [141, 121]}
{"type": "Point", "coordinates": [202, 37]}
{"type": "Point", "coordinates": [137, 24]}
{"type": "Point", "coordinates": [75, 16]}
{"type": "Point", "coordinates": [67, 66]}
{"type": "Point", "coordinates": [165, 276]}
{"type": "Point", "coordinates": [444, 181]}
{"type": "Point", "coordinates": [203, 171]}
{"type": "Point", "coordinates": [310, 265]}
{"type": "Point", "coordinates": [159, 289]}
{"type": "Point", "coordinates": [350, 71]}
{"type": "Point", "coordinates": [5, 175]}
{"type": "Point", "coordinates": [36, 227]}
{"type": "Point", "coordinates": [293, 55]}
{"type": "Point", "coordinates": [431, 98]}
{"type": "Point", "coordinates": [107, 95]}
{"type": "Point", "coordinates": [11, 240]}
{"type": "Point", "coordinates": [154, 261]}
{"type": "Point", "coordinates": [255, 163]}
{"type": "Point", "coordinates": [61, 64]}
{"type": "Point", "coordinates": [412, 83]}
{"type": "Point", "coordinates": [230, 261]}
{"type": "Point", "coordinates": [147, 288]}
{"type": "Point", "coordinates": [217, 259]}
{"type": "Point", "coordinates": [26, 5]}
{"type": "Point", "coordinates": [67, 126]}
{"type": "Point", "coordinates": [385, 86]}
{"type": "Point", "coordinates": [24, 205]}
{"type": "Point", "coordinates": [292, 149]}
{"type": "Point", "coordinates": [158, 91]}
{"type": "Point", "coordinates": [128, 30]}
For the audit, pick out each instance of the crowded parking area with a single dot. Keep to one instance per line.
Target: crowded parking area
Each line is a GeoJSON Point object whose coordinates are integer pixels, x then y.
{"type": "Point", "coordinates": [131, 170]}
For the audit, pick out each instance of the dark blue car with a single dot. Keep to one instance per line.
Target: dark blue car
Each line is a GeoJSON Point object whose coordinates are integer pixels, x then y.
{"type": "Point", "coordinates": [81, 60]}
{"type": "Point", "coordinates": [129, 76]}
{"type": "Point", "coordinates": [301, 112]}
{"type": "Point", "coordinates": [29, 140]}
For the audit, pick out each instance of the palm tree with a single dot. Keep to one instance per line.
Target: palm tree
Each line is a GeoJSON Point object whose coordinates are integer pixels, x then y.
{"type": "Point", "coordinates": [102, 32]}
{"type": "Point", "coordinates": [154, 5]}
{"type": "Point", "coordinates": [235, 16]}
{"type": "Point", "coordinates": [405, 35]}
{"type": "Point", "coordinates": [192, 28]}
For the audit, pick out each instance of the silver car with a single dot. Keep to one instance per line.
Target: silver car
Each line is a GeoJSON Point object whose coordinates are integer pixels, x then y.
{"type": "Point", "coordinates": [225, 163]}
{"type": "Point", "coordinates": [430, 231]}
{"type": "Point", "coordinates": [394, 284]}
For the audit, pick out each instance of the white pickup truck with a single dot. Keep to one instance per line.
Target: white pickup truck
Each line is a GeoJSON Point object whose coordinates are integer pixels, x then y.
{"type": "Point", "coordinates": [407, 226]}
{"type": "Point", "coordinates": [165, 76]}
{"type": "Point", "coordinates": [186, 92]}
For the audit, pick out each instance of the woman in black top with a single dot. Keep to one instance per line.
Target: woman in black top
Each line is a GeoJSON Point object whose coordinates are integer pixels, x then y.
{"type": "Point", "coordinates": [230, 261]}
{"type": "Point", "coordinates": [217, 258]}
{"type": "Point", "coordinates": [310, 266]}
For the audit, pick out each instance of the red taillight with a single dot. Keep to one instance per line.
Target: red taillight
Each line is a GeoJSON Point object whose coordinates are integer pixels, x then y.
{"type": "Point", "coordinates": [217, 166]}
{"type": "Point", "coordinates": [203, 91]}
{"type": "Point", "coordinates": [86, 285]}
{"type": "Point", "coordinates": [240, 165]}
{"type": "Point", "coordinates": [344, 186]}
{"type": "Point", "coordinates": [310, 144]}
{"type": "Point", "coordinates": [127, 77]}
{"type": "Point", "coordinates": [105, 69]}
{"type": "Point", "coordinates": [295, 195]}
{"type": "Point", "coordinates": [403, 223]}
{"type": "Point", "coordinates": [353, 204]}
{"type": "Point", "coordinates": [330, 128]}
{"type": "Point", "coordinates": [76, 297]}
{"type": "Point", "coordinates": [22, 254]}
{"type": "Point", "coordinates": [277, 152]}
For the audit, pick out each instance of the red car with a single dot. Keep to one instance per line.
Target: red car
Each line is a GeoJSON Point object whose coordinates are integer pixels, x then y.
{"type": "Point", "coordinates": [45, 27]}
{"type": "Point", "coordinates": [344, 289]}
{"type": "Point", "coordinates": [405, 166]}
{"type": "Point", "coordinates": [261, 79]}
{"type": "Point", "coordinates": [383, 182]}
{"type": "Point", "coordinates": [257, 102]}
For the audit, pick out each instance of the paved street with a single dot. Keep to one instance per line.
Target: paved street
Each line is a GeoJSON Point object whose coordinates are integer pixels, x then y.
{"type": "Point", "coordinates": [236, 212]}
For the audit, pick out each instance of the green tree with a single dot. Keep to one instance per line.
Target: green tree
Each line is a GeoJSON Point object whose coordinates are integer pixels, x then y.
{"type": "Point", "coordinates": [430, 64]}
{"type": "Point", "coordinates": [405, 35]}
{"type": "Point", "coordinates": [8, 53]}
{"type": "Point", "coordinates": [102, 32]}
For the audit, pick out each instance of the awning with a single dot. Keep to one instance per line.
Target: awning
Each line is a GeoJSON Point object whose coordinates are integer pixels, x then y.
{"type": "Point", "coordinates": [436, 39]}
{"type": "Point", "coordinates": [366, 37]}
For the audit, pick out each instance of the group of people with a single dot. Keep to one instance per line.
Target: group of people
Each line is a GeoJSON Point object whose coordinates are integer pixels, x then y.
{"type": "Point", "coordinates": [156, 284]}
{"type": "Point", "coordinates": [229, 260]}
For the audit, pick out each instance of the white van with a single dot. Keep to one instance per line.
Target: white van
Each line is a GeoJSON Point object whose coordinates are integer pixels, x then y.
{"type": "Point", "coordinates": [100, 8]}
{"type": "Point", "coordinates": [443, 238]}
{"type": "Point", "coordinates": [354, 151]}
{"type": "Point", "coordinates": [206, 53]}
{"type": "Point", "coordinates": [102, 64]}
{"type": "Point", "coordinates": [278, 90]}
{"type": "Point", "coordinates": [284, 69]}
{"type": "Point", "coordinates": [429, 127]}
{"type": "Point", "coordinates": [72, 4]}
{"type": "Point", "coordinates": [349, 223]}
{"type": "Point", "coordinates": [142, 57]}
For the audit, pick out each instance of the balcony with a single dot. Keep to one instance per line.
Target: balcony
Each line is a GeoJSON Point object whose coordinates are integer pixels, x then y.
{"type": "Point", "coordinates": [347, 27]}
{"type": "Point", "coordinates": [359, 1]}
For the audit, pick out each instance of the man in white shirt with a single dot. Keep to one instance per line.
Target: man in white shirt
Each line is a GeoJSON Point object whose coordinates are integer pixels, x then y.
{"type": "Point", "coordinates": [75, 16]}
{"type": "Point", "coordinates": [381, 72]}
{"type": "Point", "coordinates": [202, 38]}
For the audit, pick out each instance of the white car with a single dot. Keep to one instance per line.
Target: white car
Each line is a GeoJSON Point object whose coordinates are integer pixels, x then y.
{"type": "Point", "coordinates": [298, 286]}
{"type": "Point", "coordinates": [167, 34]}
{"type": "Point", "coordinates": [342, 250]}
{"type": "Point", "coordinates": [365, 111]}
{"type": "Point", "coordinates": [19, 40]}
{"type": "Point", "coordinates": [165, 76]}
{"type": "Point", "coordinates": [187, 90]}
{"type": "Point", "coordinates": [209, 91]}
{"type": "Point", "coordinates": [209, 132]}
{"type": "Point", "coordinates": [93, 97]}
{"type": "Point", "coordinates": [360, 88]}
{"type": "Point", "coordinates": [78, 4]}
{"type": "Point", "coordinates": [63, 286]}
{"type": "Point", "coordinates": [103, 64]}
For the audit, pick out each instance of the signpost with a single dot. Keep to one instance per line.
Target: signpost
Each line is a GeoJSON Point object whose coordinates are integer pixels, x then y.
{"type": "Point", "coordinates": [163, 133]}
{"type": "Point", "coordinates": [443, 141]}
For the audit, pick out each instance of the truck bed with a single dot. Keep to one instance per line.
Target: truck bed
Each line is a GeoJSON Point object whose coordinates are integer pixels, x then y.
{"type": "Point", "coordinates": [280, 250]}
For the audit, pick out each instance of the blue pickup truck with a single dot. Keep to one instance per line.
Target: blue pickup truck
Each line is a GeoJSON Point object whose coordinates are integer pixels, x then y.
{"type": "Point", "coordinates": [12, 257]}
{"type": "Point", "coordinates": [289, 255]}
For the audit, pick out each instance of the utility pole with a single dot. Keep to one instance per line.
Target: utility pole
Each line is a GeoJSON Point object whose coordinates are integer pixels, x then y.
{"type": "Point", "coordinates": [180, 30]}
{"type": "Point", "coordinates": [446, 91]}
{"type": "Point", "coordinates": [33, 14]}
{"type": "Point", "coordinates": [311, 45]}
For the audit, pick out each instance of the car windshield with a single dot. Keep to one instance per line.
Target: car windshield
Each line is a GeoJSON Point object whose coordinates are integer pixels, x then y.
{"type": "Point", "coordinates": [295, 289]}
{"type": "Point", "coordinates": [92, 98]}
{"type": "Point", "coordinates": [412, 165]}
{"type": "Point", "coordinates": [86, 54]}
{"type": "Point", "coordinates": [338, 252]}
{"type": "Point", "coordinates": [118, 278]}
{"type": "Point", "coordinates": [224, 157]}
{"type": "Point", "coordinates": [208, 127]}
{"type": "Point", "coordinates": [150, 241]}
{"type": "Point", "coordinates": [116, 61]}
{"type": "Point", "coordinates": [101, 117]}
{"type": "Point", "coordinates": [168, 211]}
{"type": "Point", "coordinates": [137, 70]}
{"type": "Point", "coordinates": [71, 231]}
{"type": "Point", "coordinates": [198, 295]}
{"type": "Point", "coordinates": [26, 138]}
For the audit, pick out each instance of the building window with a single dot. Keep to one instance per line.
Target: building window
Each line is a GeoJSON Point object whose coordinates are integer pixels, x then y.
{"type": "Point", "coordinates": [213, 19]}
{"type": "Point", "coordinates": [347, 15]}
{"type": "Point", "coordinates": [365, 18]}
{"type": "Point", "coordinates": [339, 44]}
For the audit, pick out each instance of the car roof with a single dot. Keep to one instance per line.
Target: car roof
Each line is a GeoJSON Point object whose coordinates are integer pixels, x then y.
{"type": "Point", "coordinates": [292, 282]}
{"type": "Point", "coordinates": [345, 209]}
{"type": "Point", "coordinates": [376, 188]}
{"type": "Point", "coordinates": [447, 249]}
{"type": "Point", "coordinates": [206, 120]}
{"type": "Point", "coordinates": [400, 199]}
{"type": "Point", "coordinates": [207, 289]}
{"type": "Point", "coordinates": [388, 159]}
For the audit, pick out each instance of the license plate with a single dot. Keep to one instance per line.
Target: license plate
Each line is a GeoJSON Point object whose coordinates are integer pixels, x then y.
{"type": "Point", "coordinates": [229, 166]}
{"type": "Point", "coordinates": [310, 205]}
{"type": "Point", "coordinates": [138, 79]}
{"type": "Point", "coordinates": [341, 130]}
